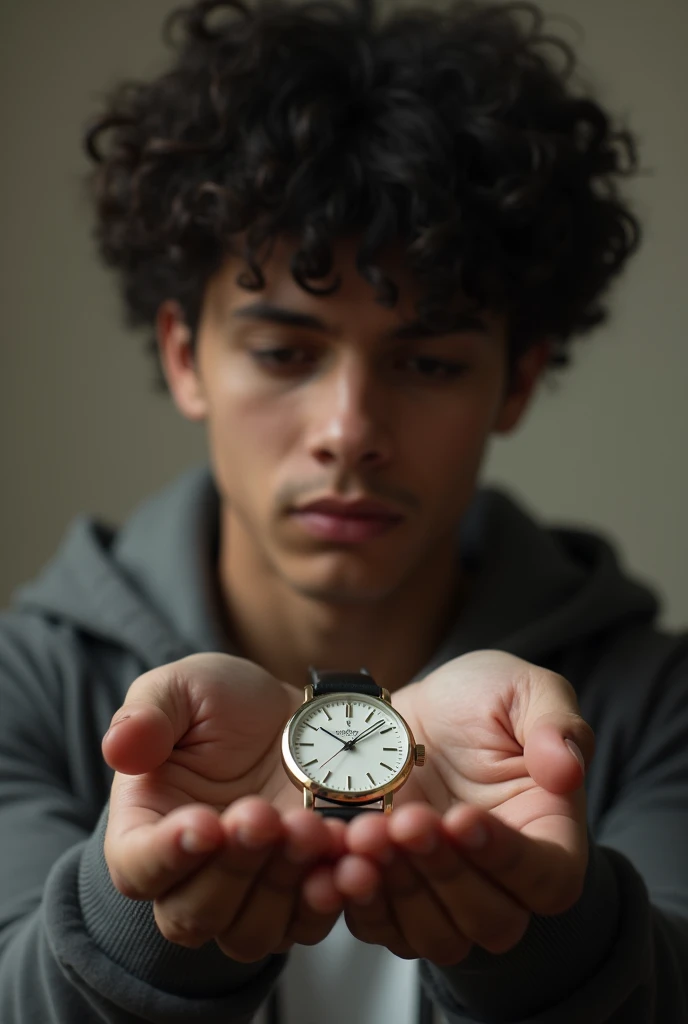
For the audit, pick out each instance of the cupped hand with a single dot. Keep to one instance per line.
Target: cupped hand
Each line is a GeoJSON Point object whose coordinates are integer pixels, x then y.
{"type": "Point", "coordinates": [498, 768]}
{"type": "Point", "coordinates": [203, 820]}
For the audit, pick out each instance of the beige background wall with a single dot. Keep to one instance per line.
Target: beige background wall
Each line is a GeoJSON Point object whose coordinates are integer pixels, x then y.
{"type": "Point", "coordinates": [81, 430]}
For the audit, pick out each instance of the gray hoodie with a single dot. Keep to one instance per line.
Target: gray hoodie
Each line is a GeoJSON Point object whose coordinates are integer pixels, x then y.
{"type": "Point", "coordinates": [114, 604]}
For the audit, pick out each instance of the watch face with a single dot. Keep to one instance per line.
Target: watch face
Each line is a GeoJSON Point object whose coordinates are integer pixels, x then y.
{"type": "Point", "coordinates": [352, 745]}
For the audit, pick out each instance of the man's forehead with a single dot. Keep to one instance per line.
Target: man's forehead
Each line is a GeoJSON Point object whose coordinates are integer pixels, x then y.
{"type": "Point", "coordinates": [282, 288]}
{"type": "Point", "coordinates": [352, 298]}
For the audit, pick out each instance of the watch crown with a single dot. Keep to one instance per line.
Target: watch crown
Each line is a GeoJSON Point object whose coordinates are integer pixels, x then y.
{"type": "Point", "coordinates": [419, 757]}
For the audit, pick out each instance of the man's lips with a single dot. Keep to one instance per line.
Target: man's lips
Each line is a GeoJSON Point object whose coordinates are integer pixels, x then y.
{"type": "Point", "coordinates": [347, 522]}
{"type": "Point", "coordinates": [362, 508]}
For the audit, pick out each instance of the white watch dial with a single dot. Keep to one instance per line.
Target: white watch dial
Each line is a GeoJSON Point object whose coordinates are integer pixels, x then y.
{"type": "Point", "coordinates": [349, 744]}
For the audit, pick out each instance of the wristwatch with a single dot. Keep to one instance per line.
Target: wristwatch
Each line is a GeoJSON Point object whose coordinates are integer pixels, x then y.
{"type": "Point", "coordinates": [347, 747]}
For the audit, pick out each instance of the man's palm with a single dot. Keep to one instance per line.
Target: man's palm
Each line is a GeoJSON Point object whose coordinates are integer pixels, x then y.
{"type": "Point", "coordinates": [217, 739]}
{"type": "Point", "coordinates": [194, 821]}
{"type": "Point", "coordinates": [474, 721]}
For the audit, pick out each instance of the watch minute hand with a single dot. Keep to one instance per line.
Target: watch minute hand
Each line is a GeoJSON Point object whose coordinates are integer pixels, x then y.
{"type": "Point", "coordinates": [366, 733]}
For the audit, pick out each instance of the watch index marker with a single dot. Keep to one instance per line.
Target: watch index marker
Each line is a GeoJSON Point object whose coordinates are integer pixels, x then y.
{"type": "Point", "coordinates": [310, 726]}
{"type": "Point", "coordinates": [349, 711]}
{"type": "Point", "coordinates": [348, 782]}
{"type": "Point", "coordinates": [329, 716]}
{"type": "Point", "coordinates": [327, 776]}
{"type": "Point", "coordinates": [371, 778]}
{"type": "Point", "coordinates": [388, 767]}
{"type": "Point", "coordinates": [309, 763]}
{"type": "Point", "coordinates": [301, 744]}
{"type": "Point", "coordinates": [383, 731]}
{"type": "Point", "coordinates": [370, 715]}
{"type": "Point", "coordinates": [395, 749]}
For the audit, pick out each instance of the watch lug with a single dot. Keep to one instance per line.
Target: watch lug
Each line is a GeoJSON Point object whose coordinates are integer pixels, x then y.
{"type": "Point", "coordinates": [307, 693]}
{"type": "Point", "coordinates": [388, 803]}
{"type": "Point", "coordinates": [308, 800]}
{"type": "Point", "coordinates": [419, 755]}
{"type": "Point", "coordinates": [386, 695]}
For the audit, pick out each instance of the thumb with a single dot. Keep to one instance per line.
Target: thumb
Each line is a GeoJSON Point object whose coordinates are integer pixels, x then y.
{"type": "Point", "coordinates": [558, 744]}
{"type": "Point", "coordinates": [152, 719]}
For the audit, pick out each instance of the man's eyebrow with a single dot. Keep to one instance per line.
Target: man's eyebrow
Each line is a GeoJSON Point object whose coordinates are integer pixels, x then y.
{"type": "Point", "coordinates": [265, 312]}
{"type": "Point", "coordinates": [417, 331]}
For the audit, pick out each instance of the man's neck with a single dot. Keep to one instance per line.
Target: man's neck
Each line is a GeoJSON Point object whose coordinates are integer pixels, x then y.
{"type": "Point", "coordinates": [285, 631]}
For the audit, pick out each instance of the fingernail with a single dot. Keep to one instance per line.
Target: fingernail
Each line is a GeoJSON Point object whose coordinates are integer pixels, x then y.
{"type": "Point", "coordinates": [119, 721]}
{"type": "Point", "coordinates": [576, 751]}
{"type": "Point", "coordinates": [193, 842]}
{"type": "Point", "coordinates": [475, 838]}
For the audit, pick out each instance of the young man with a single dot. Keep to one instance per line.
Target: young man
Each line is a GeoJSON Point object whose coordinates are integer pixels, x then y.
{"type": "Point", "coordinates": [359, 243]}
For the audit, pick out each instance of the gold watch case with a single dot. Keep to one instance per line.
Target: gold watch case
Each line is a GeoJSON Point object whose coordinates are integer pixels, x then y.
{"type": "Point", "coordinates": [312, 789]}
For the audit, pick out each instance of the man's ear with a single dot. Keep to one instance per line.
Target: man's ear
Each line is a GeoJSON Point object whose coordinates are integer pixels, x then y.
{"type": "Point", "coordinates": [178, 359]}
{"type": "Point", "coordinates": [526, 373]}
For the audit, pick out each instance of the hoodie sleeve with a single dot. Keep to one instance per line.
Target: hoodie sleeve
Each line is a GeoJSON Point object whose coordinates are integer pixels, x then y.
{"type": "Point", "coordinates": [620, 955]}
{"type": "Point", "coordinates": [71, 947]}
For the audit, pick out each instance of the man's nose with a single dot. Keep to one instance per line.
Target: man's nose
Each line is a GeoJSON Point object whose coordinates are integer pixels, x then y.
{"type": "Point", "coordinates": [347, 422]}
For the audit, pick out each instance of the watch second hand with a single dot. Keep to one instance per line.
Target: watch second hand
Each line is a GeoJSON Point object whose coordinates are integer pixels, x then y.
{"type": "Point", "coordinates": [334, 755]}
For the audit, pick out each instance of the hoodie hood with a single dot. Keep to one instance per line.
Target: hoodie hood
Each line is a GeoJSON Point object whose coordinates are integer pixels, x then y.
{"type": "Point", "coordinates": [537, 591]}
{"type": "Point", "coordinates": [151, 587]}
{"type": "Point", "coordinates": [148, 587]}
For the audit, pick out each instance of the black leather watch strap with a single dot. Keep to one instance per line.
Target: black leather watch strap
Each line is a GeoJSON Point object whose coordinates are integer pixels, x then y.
{"type": "Point", "coordinates": [330, 808]}
{"type": "Point", "coordinates": [346, 813]}
{"type": "Point", "coordinates": [344, 682]}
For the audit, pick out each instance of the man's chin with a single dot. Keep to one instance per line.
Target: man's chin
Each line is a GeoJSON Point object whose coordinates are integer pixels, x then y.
{"type": "Point", "coordinates": [342, 593]}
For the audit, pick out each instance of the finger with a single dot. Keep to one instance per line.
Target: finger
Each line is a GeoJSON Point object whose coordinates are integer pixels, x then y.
{"type": "Point", "coordinates": [203, 905]}
{"type": "Point", "coordinates": [359, 877]}
{"type": "Point", "coordinates": [544, 876]}
{"type": "Point", "coordinates": [558, 743]}
{"type": "Point", "coordinates": [422, 921]}
{"type": "Point", "coordinates": [317, 910]}
{"type": "Point", "coordinates": [161, 706]}
{"type": "Point", "coordinates": [413, 907]}
{"type": "Point", "coordinates": [264, 919]}
{"type": "Point", "coordinates": [480, 912]}
{"type": "Point", "coordinates": [147, 855]}
{"type": "Point", "coordinates": [367, 911]}
{"type": "Point", "coordinates": [319, 893]}
{"type": "Point", "coordinates": [337, 830]}
{"type": "Point", "coordinates": [369, 834]}
{"type": "Point", "coordinates": [140, 739]}
{"type": "Point", "coordinates": [155, 715]}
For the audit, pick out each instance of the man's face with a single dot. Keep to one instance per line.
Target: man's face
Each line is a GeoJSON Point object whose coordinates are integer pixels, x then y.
{"type": "Point", "coordinates": [338, 400]}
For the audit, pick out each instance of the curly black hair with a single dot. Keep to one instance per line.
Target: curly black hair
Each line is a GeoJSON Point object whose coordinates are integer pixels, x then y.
{"type": "Point", "coordinates": [456, 135]}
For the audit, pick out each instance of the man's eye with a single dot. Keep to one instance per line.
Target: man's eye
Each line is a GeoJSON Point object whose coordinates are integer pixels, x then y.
{"type": "Point", "coordinates": [282, 358]}
{"type": "Point", "coordinates": [435, 369]}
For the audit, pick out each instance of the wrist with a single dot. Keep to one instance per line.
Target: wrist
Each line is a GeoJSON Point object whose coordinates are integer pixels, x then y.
{"type": "Point", "coordinates": [561, 950]}
{"type": "Point", "coordinates": [126, 932]}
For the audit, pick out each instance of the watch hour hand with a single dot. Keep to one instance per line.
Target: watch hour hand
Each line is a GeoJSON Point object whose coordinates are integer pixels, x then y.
{"type": "Point", "coordinates": [333, 735]}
